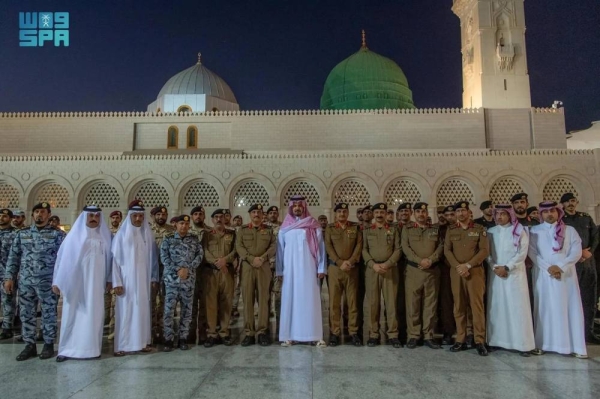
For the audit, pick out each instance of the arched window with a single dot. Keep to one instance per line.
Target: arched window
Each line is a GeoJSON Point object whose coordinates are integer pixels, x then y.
{"type": "Point", "coordinates": [172, 137]}
{"type": "Point", "coordinates": [184, 108]}
{"type": "Point", "coordinates": [192, 137]}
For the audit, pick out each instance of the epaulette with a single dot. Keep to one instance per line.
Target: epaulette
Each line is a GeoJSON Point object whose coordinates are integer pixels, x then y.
{"type": "Point", "coordinates": [245, 226]}
{"type": "Point", "coordinates": [172, 234]}
{"type": "Point", "coordinates": [352, 223]}
{"type": "Point", "coordinates": [331, 225]}
{"type": "Point", "coordinates": [583, 214]}
{"type": "Point", "coordinates": [452, 226]}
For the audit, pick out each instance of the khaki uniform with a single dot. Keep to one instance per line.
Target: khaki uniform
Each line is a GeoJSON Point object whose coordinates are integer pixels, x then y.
{"type": "Point", "coordinates": [422, 286]}
{"type": "Point", "coordinates": [445, 299]}
{"type": "Point", "coordinates": [276, 281]}
{"type": "Point", "coordinates": [199, 324]}
{"type": "Point", "coordinates": [157, 293]}
{"type": "Point", "coordinates": [110, 299]}
{"type": "Point", "coordinates": [218, 285]}
{"type": "Point", "coordinates": [252, 242]}
{"type": "Point", "coordinates": [343, 243]}
{"type": "Point", "coordinates": [382, 245]}
{"type": "Point", "coordinates": [470, 246]}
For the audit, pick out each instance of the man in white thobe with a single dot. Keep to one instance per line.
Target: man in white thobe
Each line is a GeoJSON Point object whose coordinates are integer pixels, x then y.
{"type": "Point", "coordinates": [135, 268]}
{"type": "Point", "coordinates": [509, 323]}
{"type": "Point", "coordinates": [301, 262]}
{"type": "Point", "coordinates": [81, 275]}
{"type": "Point", "coordinates": [555, 248]}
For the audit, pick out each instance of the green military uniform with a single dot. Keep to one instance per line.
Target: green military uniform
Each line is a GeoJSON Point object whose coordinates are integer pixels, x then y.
{"type": "Point", "coordinates": [199, 325]}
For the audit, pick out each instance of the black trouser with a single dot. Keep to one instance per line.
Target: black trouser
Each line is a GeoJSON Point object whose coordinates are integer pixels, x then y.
{"type": "Point", "coordinates": [586, 274]}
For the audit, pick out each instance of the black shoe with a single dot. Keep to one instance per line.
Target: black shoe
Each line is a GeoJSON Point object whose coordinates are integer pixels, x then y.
{"type": "Point", "coordinates": [227, 341]}
{"type": "Point", "coordinates": [168, 346]}
{"type": "Point", "coordinates": [264, 340]}
{"type": "Point", "coordinates": [447, 339]}
{"type": "Point", "coordinates": [459, 346]}
{"type": "Point", "coordinates": [592, 339]}
{"type": "Point", "coordinates": [356, 340]}
{"type": "Point", "coordinates": [373, 342]}
{"type": "Point", "coordinates": [191, 339]}
{"type": "Point", "coordinates": [470, 341]}
{"type": "Point", "coordinates": [6, 334]}
{"type": "Point", "coordinates": [481, 350]}
{"type": "Point", "coordinates": [431, 344]}
{"type": "Point", "coordinates": [47, 351]}
{"type": "Point", "coordinates": [210, 342]}
{"type": "Point", "coordinates": [412, 343]}
{"type": "Point", "coordinates": [334, 340]}
{"type": "Point", "coordinates": [29, 351]}
{"type": "Point", "coordinates": [60, 359]}
{"type": "Point", "coordinates": [20, 338]}
{"type": "Point", "coordinates": [248, 341]}
{"type": "Point", "coordinates": [183, 345]}
{"type": "Point", "coordinates": [395, 342]}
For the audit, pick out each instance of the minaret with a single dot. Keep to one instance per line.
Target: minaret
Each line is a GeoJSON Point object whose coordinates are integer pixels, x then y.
{"type": "Point", "coordinates": [494, 56]}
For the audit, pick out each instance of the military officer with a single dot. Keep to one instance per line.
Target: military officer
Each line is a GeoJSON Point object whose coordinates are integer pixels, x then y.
{"type": "Point", "coordinates": [466, 247]}
{"type": "Point", "coordinates": [445, 299]}
{"type": "Point", "coordinates": [365, 219]}
{"type": "Point", "coordinates": [423, 247]}
{"type": "Point", "coordinates": [116, 217]}
{"type": "Point", "coordinates": [343, 243]}
{"type": "Point", "coordinates": [586, 267]}
{"type": "Point", "coordinates": [367, 216]}
{"type": "Point", "coordinates": [404, 214]}
{"type": "Point", "coordinates": [181, 254]}
{"type": "Point", "coordinates": [18, 220]}
{"type": "Point", "coordinates": [227, 219]}
{"type": "Point", "coordinates": [218, 279]}
{"type": "Point", "coordinates": [533, 213]}
{"type": "Point", "coordinates": [8, 301]}
{"type": "Point", "coordinates": [32, 256]}
{"type": "Point", "coordinates": [255, 245]}
{"type": "Point", "coordinates": [486, 219]}
{"type": "Point", "coordinates": [520, 203]}
{"type": "Point", "coordinates": [274, 223]}
{"type": "Point", "coordinates": [359, 212]}
{"type": "Point", "coordinates": [199, 324]}
{"type": "Point", "coordinates": [381, 252]}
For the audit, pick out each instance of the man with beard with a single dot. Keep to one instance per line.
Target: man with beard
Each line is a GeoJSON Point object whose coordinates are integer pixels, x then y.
{"type": "Point", "coordinates": [440, 215]}
{"type": "Point", "coordinates": [273, 222]}
{"type": "Point", "coordinates": [533, 213]}
{"type": "Point", "coordinates": [81, 275]}
{"type": "Point", "coordinates": [487, 218]}
{"type": "Point", "coordinates": [160, 228]}
{"type": "Point", "coordinates": [520, 203]}
{"type": "Point", "coordinates": [466, 247]}
{"type": "Point", "coordinates": [255, 245]}
{"type": "Point", "coordinates": [586, 266]}
{"type": "Point", "coordinates": [54, 221]}
{"type": "Point", "coordinates": [18, 220]}
{"type": "Point", "coordinates": [32, 256]}
{"type": "Point", "coordinates": [8, 301]}
{"type": "Point", "coordinates": [359, 215]}
{"type": "Point", "coordinates": [218, 280]}
{"type": "Point", "coordinates": [389, 217]}
{"type": "Point", "coordinates": [367, 216]}
{"type": "Point", "coordinates": [323, 222]}
{"type": "Point", "coordinates": [134, 277]}
{"type": "Point", "coordinates": [555, 248]}
{"type": "Point", "coordinates": [116, 217]}
{"type": "Point", "coordinates": [445, 299]}
{"type": "Point", "coordinates": [181, 253]}
{"type": "Point", "coordinates": [227, 219]}
{"type": "Point", "coordinates": [199, 324]}
{"type": "Point", "coordinates": [404, 213]}
{"type": "Point", "coordinates": [381, 252]}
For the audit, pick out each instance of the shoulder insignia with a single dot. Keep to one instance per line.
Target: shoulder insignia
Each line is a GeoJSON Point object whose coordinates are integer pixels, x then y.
{"type": "Point", "coordinates": [170, 234]}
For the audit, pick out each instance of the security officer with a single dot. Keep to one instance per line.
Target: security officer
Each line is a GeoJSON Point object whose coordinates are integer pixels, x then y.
{"type": "Point", "coordinates": [520, 203]}
{"type": "Point", "coordinates": [181, 254]}
{"type": "Point", "coordinates": [533, 213]}
{"type": "Point", "coordinates": [381, 252]}
{"type": "Point", "coordinates": [116, 217]}
{"type": "Point", "coordinates": [273, 222]}
{"type": "Point", "coordinates": [7, 234]}
{"type": "Point", "coordinates": [465, 248]}
{"type": "Point", "coordinates": [199, 324]}
{"type": "Point", "coordinates": [586, 267]}
{"type": "Point", "coordinates": [32, 256]}
{"type": "Point", "coordinates": [487, 219]}
{"type": "Point", "coordinates": [343, 243]}
{"type": "Point", "coordinates": [18, 220]}
{"type": "Point", "coordinates": [423, 247]}
{"type": "Point", "coordinates": [227, 219]}
{"type": "Point", "coordinates": [218, 279]}
{"type": "Point", "coordinates": [255, 245]}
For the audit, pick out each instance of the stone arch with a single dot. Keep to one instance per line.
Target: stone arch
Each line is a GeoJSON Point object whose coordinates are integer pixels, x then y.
{"type": "Point", "coordinates": [405, 187]}
{"type": "Point", "coordinates": [152, 189]}
{"type": "Point", "coordinates": [453, 187]}
{"type": "Point", "coordinates": [559, 181]}
{"type": "Point", "coordinates": [106, 190]}
{"type": "Point", "coordinates": [11, 192]}
{"type": "Point", "coordinates": [209, 181]}
{"type": "Point", "coordinates": [502, 186]}
{"type": "Point", "coordinates": [314, 189]}
{"type": "Point", "coordinates": [67, 197]}
{"type": "Point", "coordinates": [243, 179]}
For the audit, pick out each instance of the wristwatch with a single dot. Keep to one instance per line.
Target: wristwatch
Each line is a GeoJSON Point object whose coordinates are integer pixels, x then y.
{"type": "Point", "coordinates": [469, 266]}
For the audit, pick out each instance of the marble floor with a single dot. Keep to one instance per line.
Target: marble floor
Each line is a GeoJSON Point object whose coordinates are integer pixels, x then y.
{"type": "Point", "coordinates": [301, 372]}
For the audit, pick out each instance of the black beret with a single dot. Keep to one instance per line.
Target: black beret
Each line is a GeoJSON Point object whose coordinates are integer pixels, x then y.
{"type": "Point", "coordinates": [322, 217]}
{"type": "Point", "coordinates": [5, 211]}
{"type": "Point", "coordinates": [41, 205]}
{"type": "Point", "coordinates": [341, 205]}
{"type": "Point", "coordinates": [404, 205]}
{"type": "Point", "coordinates": [449, 208]}
{"type": "Point", "coordinates": [520, 196]}
{"type": "Point", "coordinates": [255, 207]}
{"type": "Point", "coordinates": [272, 208]}
{"type": "Point", "coordinates": [420, 205]}
{"type": "Point", "coordinates": [183, 218]}
{"type": "Point", "coordinates": [114, 213]}
{"type": "Point", "coordinates": [485, 205]}
{"type": "Point", "coordinates": [226, 212]}
{"type": "Point", "coordinates": [136, 205]}
{"type": "Point", "coordinates": [531, 209]}
{"type": "Point", "coordinates": [441, 209]}
{"type": "Point", "coordinates": [217, 212]}
{"type": "Point", "coordinates": [359, 210]}
{"type": "Point", "coordinates": [379, 206]}
{"type": "Point", "coordinates": [567, 197]}
{"type": "Point", "coordinates": [368, 208]}
{"type": "Point", "coordinates": [157, 209]}
{"type": "Point", "coordinates": [462, 204]}
{"type": "Point", "coordinates": [198, 208]}
{"type": "Point", "coordinates": [54, 217]}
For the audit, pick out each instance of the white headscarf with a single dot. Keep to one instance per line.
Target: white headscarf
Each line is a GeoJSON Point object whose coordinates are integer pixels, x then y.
{"type": "Point", "coordinates": [67, 269]}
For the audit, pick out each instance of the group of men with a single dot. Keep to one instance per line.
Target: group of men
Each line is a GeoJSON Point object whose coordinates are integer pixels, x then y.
{"type": "Point", "coordinates": [539, 278]}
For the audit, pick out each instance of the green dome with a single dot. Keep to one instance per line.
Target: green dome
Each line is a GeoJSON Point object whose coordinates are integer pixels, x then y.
{"type": "Point", "coordinates": [366, 80]}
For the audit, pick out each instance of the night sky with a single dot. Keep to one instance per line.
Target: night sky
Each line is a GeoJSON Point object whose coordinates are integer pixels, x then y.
{"type": "Point", "coordinates": [277, 54]}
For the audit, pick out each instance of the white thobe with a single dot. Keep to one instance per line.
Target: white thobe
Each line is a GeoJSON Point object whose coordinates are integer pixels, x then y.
{"type": "Point", "coordinates": [301, 318]}
{"type": "Point", "coordinates": [132, 309]}
{"type": "Point", "coordinates": [82, 321]}
{"type": "Point", "coordinates": [558, 313]}
{"type": "Point", "coordinates": [509, 323]}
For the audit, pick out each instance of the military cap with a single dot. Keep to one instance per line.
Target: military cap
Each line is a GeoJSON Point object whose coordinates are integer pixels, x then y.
{"type": "Point", "coordinates": [341, 205]}
{"type": "Point", "coordinates": [531, 209]}
{"type": "Point", "coordinates": [520, 196]}
{"type": "Point", "coordinates": [217, 212]}
{"type": "Point", "coordinates": [390, 211]}
{"type": "Point", "coordinates": [567, 197]}
{"type": "Point", "coordinates": [91, 208]}
{"type": "Point", "coordinates": [272, 208]}
{"type": "Point", "coordinates": [379, 206]}
{"type": "Point", "coordinates": [198, 208]}
{"type": "Point", "coordinates": [226, 212]}
{"type": "Point", "coordinates": [485, 205]}
{"type": "Point", "coordinates": [136, 205]}
{"type": "Point", "coordinates": [461, 204]}
{"type": "Point", "coordinates": [5, 211]}
{"type": "Point", "coordinates": [54, 217]}
{"type": "Point", "coordinates": [359, 210]}
{"type": "Point", "coordinates": [404, 205]}
{"type": "Point", "coordinates": [368, 208]}
{"type": "Point", "coordinates": [322, 217]}
{"type": "Point", "coordinates": [18, 212]}
{"type": "Point", "coordinates": [173, 219]}
{"type": "Point", "coordinates": [255, 207]}
{"type": "Point", "coordinates": [420, 205]}
{"type": "Point", "coordinates": [183, 218]}
{"type": "Point", "coordinates": [157, 209]}
{"type": "Point", "coordinates": [41, 205]}
{"type": "Point", "coordinates": [449, 208]}
{"type": "Point", "coordinates": [441, 209]}
{"type": "Point", "coordinates": [115, 213]}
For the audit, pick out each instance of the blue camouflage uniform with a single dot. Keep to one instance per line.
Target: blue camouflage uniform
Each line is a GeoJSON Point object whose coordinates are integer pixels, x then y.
{"type": "Point", "coordinates": [8, 300]}
{"type": "Point", "coordinates": [32, 256]}
{"type": "Point", "coordinates": [177, 252]}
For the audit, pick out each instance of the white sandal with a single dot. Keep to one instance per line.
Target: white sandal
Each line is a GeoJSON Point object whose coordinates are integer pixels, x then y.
{"type": "Point", "coordinates": [287, 344]}
{"type": "Point", "coordinates": [321, 344]}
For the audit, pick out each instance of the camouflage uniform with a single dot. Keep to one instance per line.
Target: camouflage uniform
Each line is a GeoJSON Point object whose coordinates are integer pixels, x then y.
{"type": "Point", "coordinates": [32, 256]}
{"type": "Point", "coordinates": [199, 324]}
{"type": "Point", "coordinates": [276, 283]}
{"type": "Point", "coordinates": [157, 297]}
{"type": "Point", "coordinates": [109, 300]}
{"type": "Point", "coordinates": [8, 300]}
{"type": "Point", "coordinates": [177, 252]}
